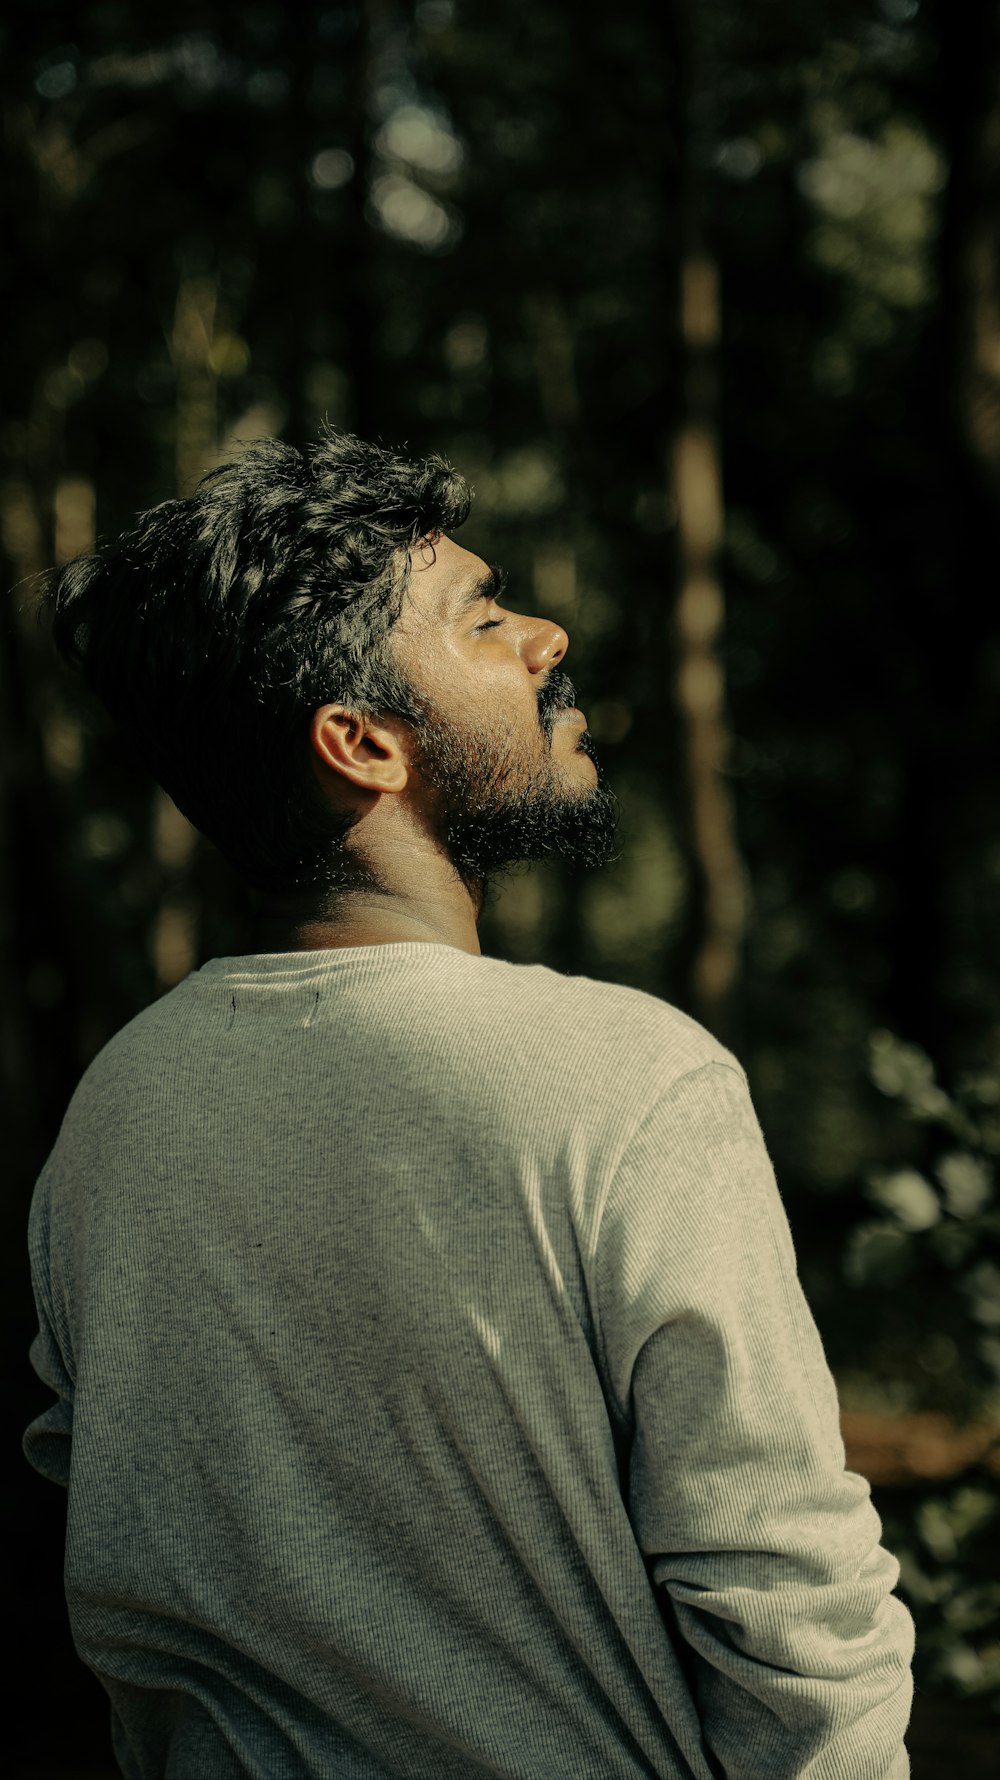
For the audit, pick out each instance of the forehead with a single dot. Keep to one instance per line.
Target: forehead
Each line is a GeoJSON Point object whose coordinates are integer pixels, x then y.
{"type": "Point", "coordinates": [442, 576]}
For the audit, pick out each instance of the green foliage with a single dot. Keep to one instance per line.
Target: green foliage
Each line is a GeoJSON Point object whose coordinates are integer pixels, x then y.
{"type": "Point", "coordinates": [947, 1546]}
{"type": "Point", "coordinates": [936, 1241]}
{"type": "Point", "coordinates": [936, 1236]}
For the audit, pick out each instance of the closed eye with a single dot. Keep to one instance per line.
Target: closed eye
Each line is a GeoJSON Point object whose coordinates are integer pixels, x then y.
{"type": "Point", "coordinates": [490, 624]}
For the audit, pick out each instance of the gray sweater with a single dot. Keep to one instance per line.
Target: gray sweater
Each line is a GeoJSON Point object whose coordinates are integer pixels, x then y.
{"type": "Point", "coordinates": [437, 1397]}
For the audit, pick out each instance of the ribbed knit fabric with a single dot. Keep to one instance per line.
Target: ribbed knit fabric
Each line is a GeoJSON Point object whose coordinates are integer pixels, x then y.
{"type": "Point", "coordinates": [437, 1397]}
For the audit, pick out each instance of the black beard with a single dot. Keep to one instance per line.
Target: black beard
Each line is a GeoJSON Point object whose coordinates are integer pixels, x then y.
{"type": "Point", "coordinates": [500, 803]}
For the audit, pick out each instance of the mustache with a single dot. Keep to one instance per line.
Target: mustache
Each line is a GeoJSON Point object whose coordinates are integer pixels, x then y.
{"type": "Point", "coordinates": [558, 694]}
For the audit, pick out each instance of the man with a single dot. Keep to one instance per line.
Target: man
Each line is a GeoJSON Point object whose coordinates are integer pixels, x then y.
{"type": "Point", "coordinates": [435, 1392]}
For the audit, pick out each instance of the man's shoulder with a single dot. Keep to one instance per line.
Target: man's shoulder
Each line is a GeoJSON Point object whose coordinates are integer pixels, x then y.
{"type": "Point", "coordinates": [601, 1042]}
{"type": "Point", "coordinates": [131, 1055]}
{"type": "Point", "coordinates": [623, 1029]}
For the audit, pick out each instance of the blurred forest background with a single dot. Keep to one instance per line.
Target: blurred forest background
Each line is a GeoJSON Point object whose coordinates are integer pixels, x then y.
{"type": "Point", "coordinates": [704, 298]}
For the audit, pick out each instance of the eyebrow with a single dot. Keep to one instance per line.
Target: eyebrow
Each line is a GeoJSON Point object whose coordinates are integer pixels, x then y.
{"type": "Point", "coordinates": [491, 586]}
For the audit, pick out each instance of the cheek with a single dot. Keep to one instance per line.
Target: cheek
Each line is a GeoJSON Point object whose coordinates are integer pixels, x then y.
{"type": "Point", "coordinates": [500, 694]}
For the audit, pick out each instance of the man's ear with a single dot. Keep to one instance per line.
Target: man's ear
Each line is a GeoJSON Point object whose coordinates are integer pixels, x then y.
{"type": "Point", "coordinates": [367, 752]}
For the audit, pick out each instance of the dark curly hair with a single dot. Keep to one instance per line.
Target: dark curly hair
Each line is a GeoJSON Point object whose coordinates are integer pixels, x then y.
{"type": "Point", "coordinates": [215, 628]}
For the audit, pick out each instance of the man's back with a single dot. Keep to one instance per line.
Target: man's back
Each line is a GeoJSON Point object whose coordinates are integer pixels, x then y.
{"type": "Point", "coordinates": [441, 1396]}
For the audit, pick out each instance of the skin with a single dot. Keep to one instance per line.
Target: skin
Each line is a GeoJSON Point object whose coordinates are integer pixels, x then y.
{"type": "Point", "coordinates": [466, 660]}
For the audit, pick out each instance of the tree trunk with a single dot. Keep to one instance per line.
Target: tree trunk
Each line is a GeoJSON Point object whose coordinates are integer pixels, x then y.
{"type": "Point", "coordinates": [975, 241]}
{"type": "Point", "coordinates": [700, 687]}
{"type": "Point", "coordinates": [696, 479]}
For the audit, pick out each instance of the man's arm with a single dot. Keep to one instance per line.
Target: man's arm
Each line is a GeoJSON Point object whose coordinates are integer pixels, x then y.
{"type": "Point", "coordinates": [48, 1440]}
{"type": "Point", "coordinates": [765, 1551]}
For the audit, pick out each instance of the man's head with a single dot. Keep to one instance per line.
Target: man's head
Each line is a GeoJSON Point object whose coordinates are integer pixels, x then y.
{"type": "Point", "coordinates": [300, 638]}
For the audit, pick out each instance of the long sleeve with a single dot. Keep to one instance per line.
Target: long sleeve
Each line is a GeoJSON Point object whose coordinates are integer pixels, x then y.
{"type": "Point", "coordinates": [764, 1551]}
{"type": "Point", "coordinates": [48, 1440]}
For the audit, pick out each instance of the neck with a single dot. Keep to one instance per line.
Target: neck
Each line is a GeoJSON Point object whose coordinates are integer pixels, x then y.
{"type": "Point", "coordinates": [373, 918]}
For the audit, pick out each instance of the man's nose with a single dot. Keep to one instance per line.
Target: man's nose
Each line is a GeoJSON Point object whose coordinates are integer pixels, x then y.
{"type": "Point", "coordinates": [544, 645]}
